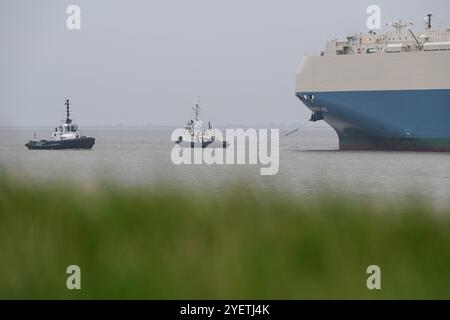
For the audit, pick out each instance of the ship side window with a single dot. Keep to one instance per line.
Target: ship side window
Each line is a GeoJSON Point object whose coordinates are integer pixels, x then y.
{"type": "Point", "coordinates": [60, 128]}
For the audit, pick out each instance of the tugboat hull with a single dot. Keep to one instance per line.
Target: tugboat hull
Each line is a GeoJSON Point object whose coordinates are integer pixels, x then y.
{"type": "Point", "coordinates": [82, 143]}
{"type": "Point", "coordinates": [192, 144]}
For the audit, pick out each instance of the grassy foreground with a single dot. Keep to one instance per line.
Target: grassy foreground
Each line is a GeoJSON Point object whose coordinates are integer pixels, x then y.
{"type": "Point", "coordinates": [153, 244]}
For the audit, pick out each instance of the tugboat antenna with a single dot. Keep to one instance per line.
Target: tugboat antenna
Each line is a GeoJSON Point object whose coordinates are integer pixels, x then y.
{"type": "Point", "coordinates": [68, 112]}
{"type": "Point", "coordinates": [197, 108]}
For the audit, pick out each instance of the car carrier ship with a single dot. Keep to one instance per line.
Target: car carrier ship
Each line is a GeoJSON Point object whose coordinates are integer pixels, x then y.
{"type": "Point", "coordinates": [382, 91]}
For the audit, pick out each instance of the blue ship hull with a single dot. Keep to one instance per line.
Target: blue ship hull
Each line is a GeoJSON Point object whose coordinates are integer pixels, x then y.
{"type": "Point", "coordinates": [415, 120]}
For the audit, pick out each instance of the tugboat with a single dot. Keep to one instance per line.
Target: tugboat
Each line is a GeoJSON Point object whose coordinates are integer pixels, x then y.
{"type": "Point", "coordinates": [195, 135]}
{"type": "Point", "coordinates": [65, 136]}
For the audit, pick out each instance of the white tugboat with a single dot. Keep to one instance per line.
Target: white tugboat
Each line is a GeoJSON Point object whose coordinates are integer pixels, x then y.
{"type": "Point", "coordinates": [65, 136]}
{"type": "Point", "coordinates": [195, 134]}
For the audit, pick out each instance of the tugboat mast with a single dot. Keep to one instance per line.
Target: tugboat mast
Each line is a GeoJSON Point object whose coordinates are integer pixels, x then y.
{"type": "Point", "coordinates": [197, 108]}
{"type": "Point", "coordinates": [68, 120]}
{"type": "Point", "coordinates": [428, 20]}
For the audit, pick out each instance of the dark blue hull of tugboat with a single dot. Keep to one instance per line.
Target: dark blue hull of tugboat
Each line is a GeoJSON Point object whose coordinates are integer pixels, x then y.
{"type": "Point", "coordinates": [82, 143]}
{"type": "Point", "coordinates": [204, 144]}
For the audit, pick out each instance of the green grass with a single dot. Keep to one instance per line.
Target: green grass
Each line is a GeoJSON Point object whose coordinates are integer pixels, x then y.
{"type": "Point", "coordinates": [157, 244]}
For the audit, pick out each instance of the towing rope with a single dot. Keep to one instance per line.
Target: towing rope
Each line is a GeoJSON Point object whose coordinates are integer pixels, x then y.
{"type": "Point", "coordinates": [293, 131]}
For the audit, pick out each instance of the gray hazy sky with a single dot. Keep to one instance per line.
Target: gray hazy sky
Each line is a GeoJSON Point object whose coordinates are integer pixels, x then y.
{"type": "Point", "coordinates": [144, 62]}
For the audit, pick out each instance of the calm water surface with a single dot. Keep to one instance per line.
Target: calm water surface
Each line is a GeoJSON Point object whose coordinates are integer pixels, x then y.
{"type": "Point", "coordinates": [310, 165]}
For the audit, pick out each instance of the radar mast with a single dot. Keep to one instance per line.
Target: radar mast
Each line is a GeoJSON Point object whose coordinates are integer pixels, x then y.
{"type": "Point", "coordinates": [68, 120]}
